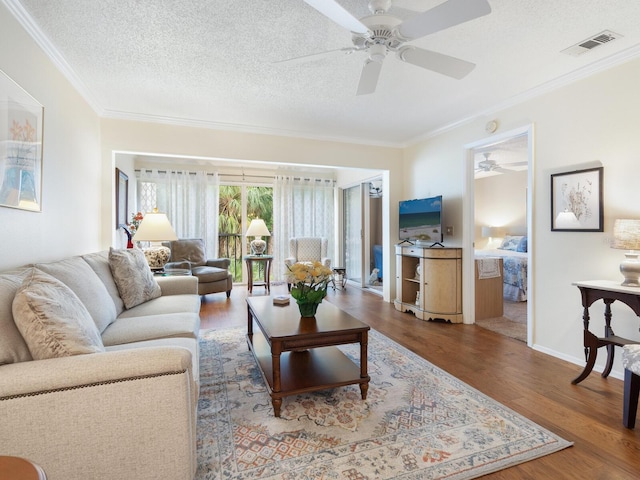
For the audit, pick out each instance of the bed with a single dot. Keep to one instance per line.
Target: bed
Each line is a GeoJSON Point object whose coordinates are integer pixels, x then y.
{"type": "Point", "coordinates": [513, 252]}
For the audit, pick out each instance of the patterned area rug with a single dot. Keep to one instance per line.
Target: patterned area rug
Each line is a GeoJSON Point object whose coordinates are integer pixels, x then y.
{"type": "Point", "coordinates": [418, 422]}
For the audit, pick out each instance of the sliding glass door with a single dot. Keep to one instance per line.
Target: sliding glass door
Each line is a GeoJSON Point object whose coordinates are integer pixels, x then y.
{"type": "Point", "coordinates": [238, 205]}
{"type": "Point", "coordinates": [353, 233]}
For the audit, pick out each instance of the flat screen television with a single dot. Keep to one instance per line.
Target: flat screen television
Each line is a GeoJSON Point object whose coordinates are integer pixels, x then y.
{"type": "Point", "coordinates": [420, 220]}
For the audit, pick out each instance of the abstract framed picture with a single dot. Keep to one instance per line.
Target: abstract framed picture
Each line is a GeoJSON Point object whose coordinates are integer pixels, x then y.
{"type": "Point", "coordinates": [21, 124]}
{"type": "Point", "coordinates": [576, 201]}
{"type": "Point", "coordinates": [122, 198]}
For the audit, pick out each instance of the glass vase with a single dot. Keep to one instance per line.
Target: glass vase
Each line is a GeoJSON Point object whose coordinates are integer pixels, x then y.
{"type": "Point", "coordinates": [308, 309]}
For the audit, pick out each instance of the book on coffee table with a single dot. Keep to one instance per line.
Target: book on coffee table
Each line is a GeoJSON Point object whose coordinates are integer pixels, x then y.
{"type": "Point", "coordinates": [281, 300]}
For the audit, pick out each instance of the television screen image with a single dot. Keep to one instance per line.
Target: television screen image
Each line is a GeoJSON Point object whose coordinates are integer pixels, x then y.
{"type": "Point", "coordinates": [421, 219]}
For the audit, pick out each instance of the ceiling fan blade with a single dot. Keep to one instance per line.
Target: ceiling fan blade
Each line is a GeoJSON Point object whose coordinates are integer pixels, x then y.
{"type": "Point", "coordinates": [514, 164]}
{"type": "Point", "coordinates": [317, 56]}
{"type": "Point", "coordinates": [445, 15]}
{"type": "Point", "coordinates": [369, 77]}
{"type": "Point", "coordinates": [336, 12]}
{"type": "Point", "coordinates": [437, 62]}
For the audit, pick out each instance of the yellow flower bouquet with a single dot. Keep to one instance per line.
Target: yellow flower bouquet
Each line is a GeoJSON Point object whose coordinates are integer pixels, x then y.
{"type": "Point", "coordinates": [309, 285]}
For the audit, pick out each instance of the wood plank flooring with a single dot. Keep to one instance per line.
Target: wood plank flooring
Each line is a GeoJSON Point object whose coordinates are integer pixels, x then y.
{"type": "Point", "coordinates": [533, 384]}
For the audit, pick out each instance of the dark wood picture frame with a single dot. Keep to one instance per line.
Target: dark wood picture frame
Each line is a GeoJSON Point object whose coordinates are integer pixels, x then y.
{"type": "Point", "coordinates": [122, 198]}
{"type": "Point", "coordinates": [578, 192]}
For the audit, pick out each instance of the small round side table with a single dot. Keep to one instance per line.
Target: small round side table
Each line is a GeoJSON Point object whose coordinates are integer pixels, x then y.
{"type": "Point", "coordinates": [266, 259]}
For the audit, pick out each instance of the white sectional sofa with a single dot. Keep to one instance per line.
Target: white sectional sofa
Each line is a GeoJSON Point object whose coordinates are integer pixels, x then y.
{"type": "Point", "coordinates": [120, 402]}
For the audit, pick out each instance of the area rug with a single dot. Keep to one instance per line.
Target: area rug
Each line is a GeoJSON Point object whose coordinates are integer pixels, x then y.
{"type": "Point", "coordinates": [418, 422]}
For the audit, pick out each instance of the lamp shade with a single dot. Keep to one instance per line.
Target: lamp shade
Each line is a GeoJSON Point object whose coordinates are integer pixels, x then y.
{"type": "Point", "coordinates": [257, 228]}
{"type": "Point", "coordinates": [490, 231]}
{"type": "Point", "coordinates": [155, 227]}
{"type": "Point", "coordinates": [626, 234]}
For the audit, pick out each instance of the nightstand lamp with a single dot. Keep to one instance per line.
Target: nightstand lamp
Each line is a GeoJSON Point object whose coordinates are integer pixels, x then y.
{"type": "Point", "coordinates": [626, 236]}
{"type": "Point", "coordinates": [493, 234]}
{"type": "Point", "coordinates": [258, 229]}
{"type": "Point", "coordinates": [155, 228]}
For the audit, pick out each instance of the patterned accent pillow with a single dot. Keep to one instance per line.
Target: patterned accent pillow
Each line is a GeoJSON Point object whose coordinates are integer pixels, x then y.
{"type": "Point", "coordinates": [52, 319]}
{"type": "Point", "coordinates": [522, 246]}
{"type": "Point", "coordinates": [133, 276]}
{"type": "Point", "coordinates": [511, 242]}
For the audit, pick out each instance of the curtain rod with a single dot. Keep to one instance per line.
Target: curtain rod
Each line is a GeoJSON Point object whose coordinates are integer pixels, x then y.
{"type": "Point", "coordinates": [239, 175]}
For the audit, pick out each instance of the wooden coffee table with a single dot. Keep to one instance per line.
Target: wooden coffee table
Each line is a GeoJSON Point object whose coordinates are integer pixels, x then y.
{"type": "Point", "coordinates": [298, 355]}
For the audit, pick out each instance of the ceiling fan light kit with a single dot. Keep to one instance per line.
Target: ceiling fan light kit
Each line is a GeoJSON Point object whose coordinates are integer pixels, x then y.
{"type": "Point", "coordinates": [381, 32]}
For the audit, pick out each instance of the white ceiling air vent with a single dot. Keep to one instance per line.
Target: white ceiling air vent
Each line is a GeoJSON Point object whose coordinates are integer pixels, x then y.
{"type": "Point", "coordinates": [591, 43]}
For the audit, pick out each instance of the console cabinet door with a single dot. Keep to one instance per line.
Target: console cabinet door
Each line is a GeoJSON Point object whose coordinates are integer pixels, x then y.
{"type": "Point", "coordinates": [440, 278]}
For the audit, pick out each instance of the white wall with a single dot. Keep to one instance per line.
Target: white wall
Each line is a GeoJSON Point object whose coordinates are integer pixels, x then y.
{"type": "Point", "coordinates": [501, 201]}
{"type": "Point", "coordinates": [593, 120]}
{"type": "Point", "coordinates": [70, 221]}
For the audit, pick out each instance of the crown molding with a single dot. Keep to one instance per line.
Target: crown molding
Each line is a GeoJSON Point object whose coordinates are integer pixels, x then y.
{"type": "Point", "coordinates": [251, 129]}
{"type": "Point", "coordinates": [32, 28]}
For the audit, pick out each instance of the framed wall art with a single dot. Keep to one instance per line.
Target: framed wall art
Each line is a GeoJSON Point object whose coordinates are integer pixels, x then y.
{"type": "Point", "coordinates": [122, 198]}
{"type": "Point", "coordinates": [21, 124]}
{"type": "Point", "coordinates": [576, 201]}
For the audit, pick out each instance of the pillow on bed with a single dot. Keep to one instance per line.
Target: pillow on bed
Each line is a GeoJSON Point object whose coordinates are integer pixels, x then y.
{"type": "Point", "coordinates": [511, 242]}
{"type": "Point", "coordinates": [522, 246]}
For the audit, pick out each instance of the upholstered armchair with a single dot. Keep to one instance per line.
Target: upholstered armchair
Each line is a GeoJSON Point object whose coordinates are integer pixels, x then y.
{"type": "Point", "coordinates": [308, 249]}
{"type": "Point", "coordinates": [213, 275]}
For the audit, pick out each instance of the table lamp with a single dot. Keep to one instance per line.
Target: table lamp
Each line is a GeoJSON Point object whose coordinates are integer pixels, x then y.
{"type": "Point", "coordinates": [258, 229]}
{"type": "Point", "coordinates": [492, 233]}
{"type": "Point", "coordinates": [155, 228]}
{"type": "Point", "coordinates": [626, 236]}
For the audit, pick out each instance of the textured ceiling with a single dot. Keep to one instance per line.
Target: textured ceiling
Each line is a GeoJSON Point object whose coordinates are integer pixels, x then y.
{"type": "Point", "coordinates": [210, 62]}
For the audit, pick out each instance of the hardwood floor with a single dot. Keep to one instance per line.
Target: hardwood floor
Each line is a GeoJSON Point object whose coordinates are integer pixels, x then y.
{"type": "Point", "coordinates": [533, 384]}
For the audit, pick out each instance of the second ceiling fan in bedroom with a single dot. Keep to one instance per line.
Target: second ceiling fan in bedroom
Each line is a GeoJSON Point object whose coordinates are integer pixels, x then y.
{"type": "Point", "coordinates": [381, 33]}
{"type": "Point", "coordinates": [489, 165]}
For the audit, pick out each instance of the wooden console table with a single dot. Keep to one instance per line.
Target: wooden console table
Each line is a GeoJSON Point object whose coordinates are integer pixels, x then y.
{"type": "Point", "coordinates": [608, 291]}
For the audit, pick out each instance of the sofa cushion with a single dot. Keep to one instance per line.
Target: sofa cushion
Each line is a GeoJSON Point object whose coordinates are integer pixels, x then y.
{"type": "Point", "coordinates": [209, 274]}
{"type": "Point", "coordinates": [13, 348]}
{"type": "Point", "coordinates": [165, 304]}
{"type": "Point", "coordinates": [99, 262]}
{"type": "Point", "coordinates": [76, 274]}
{"type": "Point", "coordinates": [133, 276]}
{"type": "Point", "coordinates": [190, 344]}
{"type": "Point", "coordinates": [52, 319]}
{"type": "Point", "coordinates": [138, 329]}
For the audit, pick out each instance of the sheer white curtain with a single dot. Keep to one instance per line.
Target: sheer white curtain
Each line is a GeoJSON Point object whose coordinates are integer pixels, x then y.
{"type": "Point", "coordinates": [190, 200]}
{"type": "Point", "coordinates": [302, 207]}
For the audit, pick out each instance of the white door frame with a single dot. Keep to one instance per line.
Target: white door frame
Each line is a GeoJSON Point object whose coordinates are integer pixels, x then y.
{"type": "Point", "coordinates": [468, 219]}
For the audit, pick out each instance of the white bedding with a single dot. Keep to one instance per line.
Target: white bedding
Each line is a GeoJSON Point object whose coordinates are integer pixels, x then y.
{"type": "Point", "coordinates": [514, 274]}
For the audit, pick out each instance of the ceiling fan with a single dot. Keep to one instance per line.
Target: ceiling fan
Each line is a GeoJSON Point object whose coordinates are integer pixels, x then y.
{"type": "Point", "coordinates": [380, 33]}
{"type": "Point", "coordinates": [488, 165]}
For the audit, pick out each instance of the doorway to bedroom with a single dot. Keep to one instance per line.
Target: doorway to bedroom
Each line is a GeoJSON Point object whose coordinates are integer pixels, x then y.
{"type": "Point", "coordinates": [501, 170]}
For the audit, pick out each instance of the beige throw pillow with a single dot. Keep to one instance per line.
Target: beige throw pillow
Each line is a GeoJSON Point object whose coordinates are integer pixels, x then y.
{"type": "Point", "coordinates": [52, 319]}
{"type": "Point", "coordinates": [133, 276]}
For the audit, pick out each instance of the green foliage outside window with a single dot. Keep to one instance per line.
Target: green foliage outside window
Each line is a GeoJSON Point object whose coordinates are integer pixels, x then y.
{"type": "Point", "coordinates": [259, 205]}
